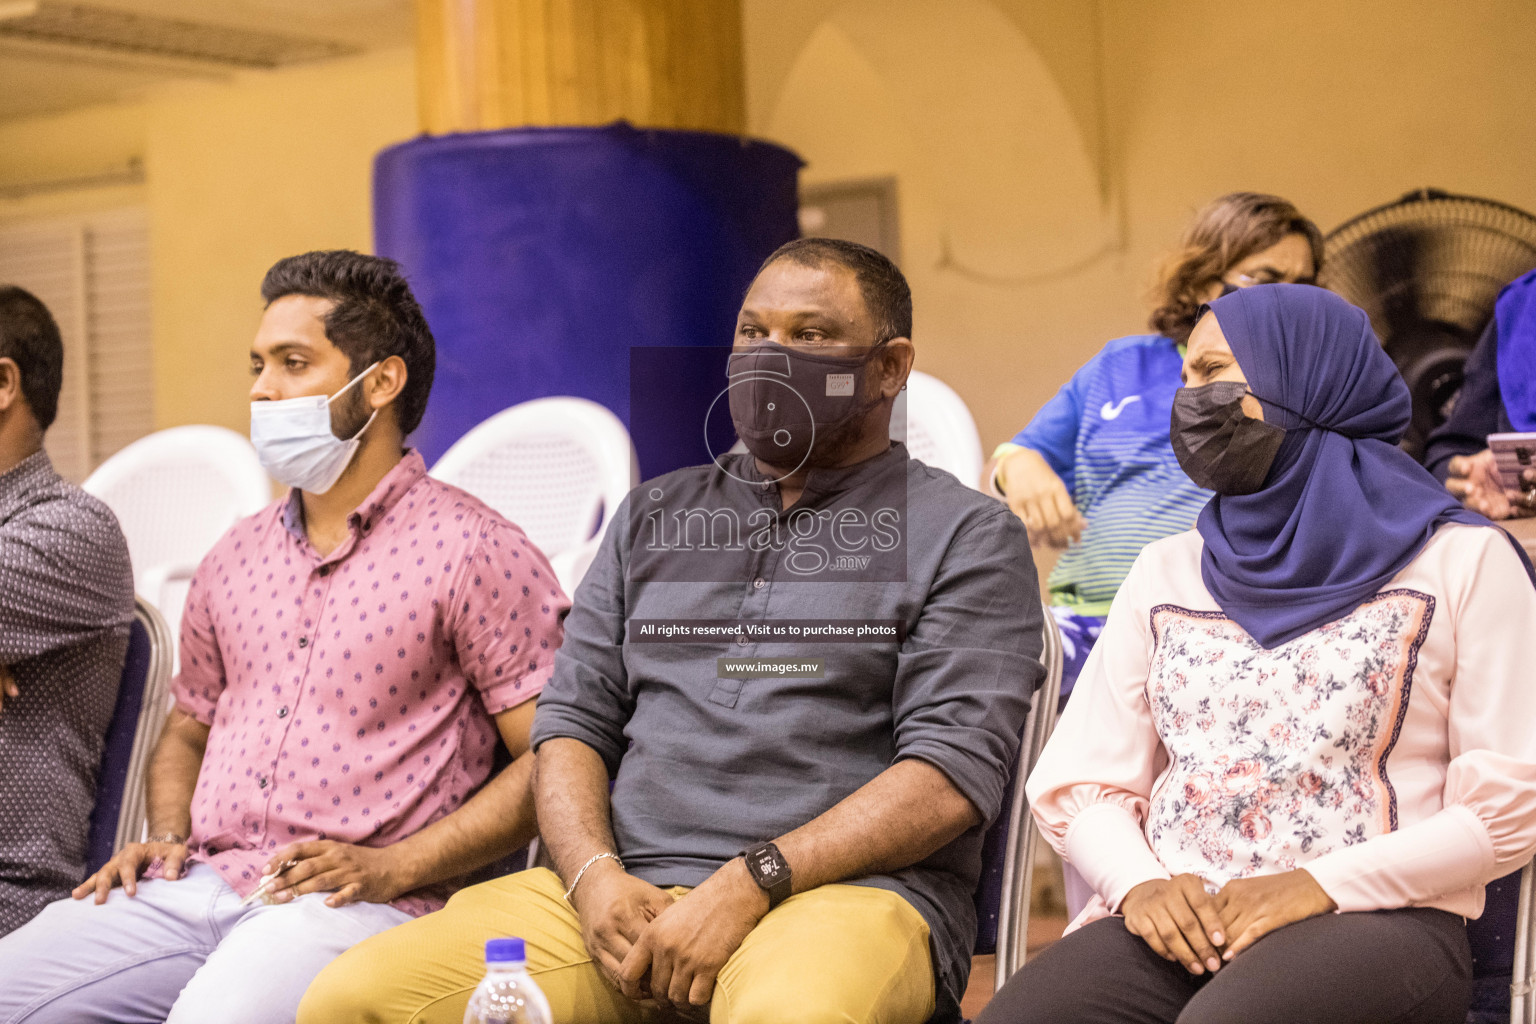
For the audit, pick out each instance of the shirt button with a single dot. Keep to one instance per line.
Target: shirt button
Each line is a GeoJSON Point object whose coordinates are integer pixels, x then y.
{"type": "Point", "coordinates": [303, 641]}
{"type": "Point", "coordinates": [325, 570]}
{"type": "Point", "coordinates": [759, 583]}
{"type": "Point", "coordinates": [261, 781]}
{"type": "Point", "coordinates": [282, 712]}
{"type": "Point", "coordinates": [741, 641]}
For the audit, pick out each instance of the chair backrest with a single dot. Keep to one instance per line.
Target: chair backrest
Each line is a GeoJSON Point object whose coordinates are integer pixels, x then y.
{"type": "Point", "coordinates": [175, 493]}
{"type": "Point", "coordinates": [119, 814]}
{"type": "Point", "coordinates": [938, 428]}
{"type": "Point", "coordinates": [1007, 853]}
{"type": "Point", "coordinates": [557, 467]}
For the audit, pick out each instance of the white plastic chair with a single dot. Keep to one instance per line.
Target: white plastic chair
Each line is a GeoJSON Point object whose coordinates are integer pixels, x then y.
{"type": "Point", "coordinates": [938, 428]}
{"type": "Point", "coordinates": [175, 493]}
{"type": "Point", "coordinates": [557, 467]}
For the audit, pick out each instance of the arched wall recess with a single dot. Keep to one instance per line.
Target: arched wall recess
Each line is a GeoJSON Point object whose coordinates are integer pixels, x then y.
{"type": "Point", "coordinates": [995, 178]}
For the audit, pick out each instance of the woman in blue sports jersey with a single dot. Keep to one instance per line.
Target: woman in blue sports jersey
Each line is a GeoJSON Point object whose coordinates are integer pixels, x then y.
{"type": "Point", "coordinates": [1093, 474]}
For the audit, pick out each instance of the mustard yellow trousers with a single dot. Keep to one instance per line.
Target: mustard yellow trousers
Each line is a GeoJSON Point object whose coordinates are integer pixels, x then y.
{"type": "Point", "coordinates": [843, 953]}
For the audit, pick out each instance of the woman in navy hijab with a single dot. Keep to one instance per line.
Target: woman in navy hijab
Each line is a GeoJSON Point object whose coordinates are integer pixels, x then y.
{"type": "Point", "coordinates": [1302, 746]}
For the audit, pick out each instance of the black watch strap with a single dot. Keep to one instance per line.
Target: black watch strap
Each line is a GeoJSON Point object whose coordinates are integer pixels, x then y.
{"type": "Point", "coordinates": [770, 871]}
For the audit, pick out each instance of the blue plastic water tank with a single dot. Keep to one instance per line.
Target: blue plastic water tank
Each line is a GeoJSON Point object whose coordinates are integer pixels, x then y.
{"type": "Point", "coordinates": [542, 256]}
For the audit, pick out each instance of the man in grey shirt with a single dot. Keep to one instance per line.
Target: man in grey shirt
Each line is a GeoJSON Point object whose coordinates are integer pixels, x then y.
{"type": "Point", "coordinates": [804, 670]}
{"type": "Point", "coordinates": [66, 600]}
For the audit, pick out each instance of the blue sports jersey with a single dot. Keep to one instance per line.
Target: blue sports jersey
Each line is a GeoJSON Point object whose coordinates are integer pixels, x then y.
{"type": "Point", "coordinates": [1106, 435]}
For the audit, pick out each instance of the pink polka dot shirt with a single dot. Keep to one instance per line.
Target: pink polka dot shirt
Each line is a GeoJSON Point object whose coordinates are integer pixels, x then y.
{"type": "Point", "coordinates": [350, 697]}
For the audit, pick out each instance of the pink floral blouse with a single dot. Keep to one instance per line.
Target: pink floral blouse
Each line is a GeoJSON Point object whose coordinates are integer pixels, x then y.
{"type": "Point", "coordinates": [1391, 753]}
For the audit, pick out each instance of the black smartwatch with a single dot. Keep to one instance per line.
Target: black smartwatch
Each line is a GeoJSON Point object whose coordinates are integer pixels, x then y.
{"type": "Point", "coordinates": [770, 871]}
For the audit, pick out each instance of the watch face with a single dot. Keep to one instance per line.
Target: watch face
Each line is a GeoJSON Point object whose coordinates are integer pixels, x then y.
{"type": "Point", "coordinates": [769, 867]}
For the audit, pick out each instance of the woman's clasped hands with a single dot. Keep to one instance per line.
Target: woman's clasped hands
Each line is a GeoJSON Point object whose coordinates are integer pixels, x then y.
{"type": "Point", "coordinates": [1184, 923]}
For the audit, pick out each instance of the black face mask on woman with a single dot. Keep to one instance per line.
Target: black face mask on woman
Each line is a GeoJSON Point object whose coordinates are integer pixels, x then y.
{"type": "Point", "coordinates": [786, 400]}
{"type": "Point", "coordinates": [1219, 446]}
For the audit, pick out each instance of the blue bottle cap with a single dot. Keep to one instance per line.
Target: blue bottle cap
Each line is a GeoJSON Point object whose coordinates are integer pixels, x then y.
{"type": "Point", "coordinates": [505, 951]}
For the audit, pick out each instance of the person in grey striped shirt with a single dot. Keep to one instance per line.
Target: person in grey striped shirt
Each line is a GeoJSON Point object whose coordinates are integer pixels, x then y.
{"type": "Point", "coordinates": [66, 601]}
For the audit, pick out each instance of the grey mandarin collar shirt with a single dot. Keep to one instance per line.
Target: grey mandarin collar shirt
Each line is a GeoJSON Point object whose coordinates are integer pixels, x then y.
{"type": "Point", "coordinates": [706, 764]}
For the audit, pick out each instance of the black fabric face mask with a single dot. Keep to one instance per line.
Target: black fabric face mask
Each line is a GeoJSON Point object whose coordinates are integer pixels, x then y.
{"type": "Point", "coordinates": [784, 401]}
{"type": "Point", "coordinates": [1219, 446]}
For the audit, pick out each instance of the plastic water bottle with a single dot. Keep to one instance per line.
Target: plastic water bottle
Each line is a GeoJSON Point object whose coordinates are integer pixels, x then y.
{"type": "Point", "coordinates": [507, 995]}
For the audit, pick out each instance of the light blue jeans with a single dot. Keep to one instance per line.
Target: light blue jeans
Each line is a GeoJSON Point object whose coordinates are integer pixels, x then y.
{"type": "Point", "coordinates": [182, 952]}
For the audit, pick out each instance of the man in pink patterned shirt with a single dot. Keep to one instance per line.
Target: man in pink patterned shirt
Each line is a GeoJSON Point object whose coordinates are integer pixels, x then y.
{"type": "Point", "coordinates": [351, 657]}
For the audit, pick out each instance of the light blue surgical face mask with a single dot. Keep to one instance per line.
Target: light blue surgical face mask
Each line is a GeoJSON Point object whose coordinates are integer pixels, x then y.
{"type": "Point", "coordinates": [295, 444]}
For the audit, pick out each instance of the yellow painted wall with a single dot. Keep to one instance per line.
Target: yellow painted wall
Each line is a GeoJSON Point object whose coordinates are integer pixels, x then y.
{"type": "Point", "coordinates": [237, 175]}
{"type": "Point", "coordinates": [1047, 152]}
{"type": "Point", "coordinates": [240, 176]}
{"type": "Point", "coordinates": [1338, 104]}
{"type": "Point", "coordinates": [82, 143]}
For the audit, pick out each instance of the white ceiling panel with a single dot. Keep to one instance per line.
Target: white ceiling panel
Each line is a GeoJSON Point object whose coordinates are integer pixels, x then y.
{"type": "Point", "coordinates": [120, 47]}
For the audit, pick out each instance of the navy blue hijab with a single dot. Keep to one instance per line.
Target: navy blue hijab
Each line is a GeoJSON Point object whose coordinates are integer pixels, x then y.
{"type": "Point", "coordinates": [1343, 509]}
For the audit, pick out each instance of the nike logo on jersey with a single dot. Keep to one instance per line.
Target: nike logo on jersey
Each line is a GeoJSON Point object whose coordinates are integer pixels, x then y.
{"type": "Point", "coordinates": [1112, 410]}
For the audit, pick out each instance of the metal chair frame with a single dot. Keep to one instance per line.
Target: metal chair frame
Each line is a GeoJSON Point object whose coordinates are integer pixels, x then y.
{"type": "Point", "coordinates": [132, 815]}
{"type": "Point", "coordinates": [1023, 836]}
{"type": "Point", "coordinates": [1522, 983]}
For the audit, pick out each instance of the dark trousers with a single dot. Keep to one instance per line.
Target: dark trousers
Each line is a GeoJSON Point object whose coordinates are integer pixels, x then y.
{"type": "Point", "coordinates": [1385, 967]}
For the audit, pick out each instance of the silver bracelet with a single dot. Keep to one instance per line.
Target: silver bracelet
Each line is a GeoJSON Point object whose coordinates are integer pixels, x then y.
{"type": "Point", "coordinates": [592, 860]}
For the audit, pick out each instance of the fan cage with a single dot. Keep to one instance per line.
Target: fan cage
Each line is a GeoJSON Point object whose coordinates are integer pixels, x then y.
{"type": "Point", "coordinates": [1467, 249]}
{"type": "Point", "coordinates": [1427, 270]}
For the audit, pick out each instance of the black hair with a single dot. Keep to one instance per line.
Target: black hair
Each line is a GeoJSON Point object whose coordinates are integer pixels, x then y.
{"type": "Point", "coordinates": [29, 335]}
{"type": "Point", "coordinates": [885, 290]}
{"type": "Point", "coordinates": [375, 316]}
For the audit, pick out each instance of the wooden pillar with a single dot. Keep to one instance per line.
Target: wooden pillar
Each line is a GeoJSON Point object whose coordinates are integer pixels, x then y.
{"type": "Point", "coordinates": [485, 64]}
